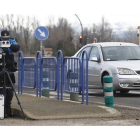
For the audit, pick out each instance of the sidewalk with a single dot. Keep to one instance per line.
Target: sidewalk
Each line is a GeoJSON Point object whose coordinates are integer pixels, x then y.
{"type": "Point", "coordinates": [48, 109]}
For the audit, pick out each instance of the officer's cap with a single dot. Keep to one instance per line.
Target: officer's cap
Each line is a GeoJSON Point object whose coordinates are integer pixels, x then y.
{"type": "Point", "coordinates": [5, 35]}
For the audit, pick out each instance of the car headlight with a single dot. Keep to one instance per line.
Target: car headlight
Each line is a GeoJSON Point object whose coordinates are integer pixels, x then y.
{"type": "Point", "coordinates": [123, 71]}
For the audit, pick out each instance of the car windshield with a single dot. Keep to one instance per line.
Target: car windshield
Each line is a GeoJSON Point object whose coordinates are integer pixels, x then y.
{"type": "Point", "coordinates": [117, 53]}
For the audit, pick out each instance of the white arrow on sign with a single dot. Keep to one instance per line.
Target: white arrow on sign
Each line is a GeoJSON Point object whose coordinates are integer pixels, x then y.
{"type": "Point", "coordinates": [41, 33]}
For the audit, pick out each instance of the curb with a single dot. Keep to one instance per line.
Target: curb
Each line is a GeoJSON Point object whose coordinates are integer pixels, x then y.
{"type": "Point", "coordinates": [18, 113]}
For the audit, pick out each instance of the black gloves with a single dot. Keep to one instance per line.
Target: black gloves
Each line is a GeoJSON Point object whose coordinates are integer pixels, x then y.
{"type": "Point", "coordinates": [14, 47]}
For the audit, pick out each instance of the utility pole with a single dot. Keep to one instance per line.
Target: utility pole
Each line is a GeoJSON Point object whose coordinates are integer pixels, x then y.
{"type": "Point", "coordinates": [81, 29]}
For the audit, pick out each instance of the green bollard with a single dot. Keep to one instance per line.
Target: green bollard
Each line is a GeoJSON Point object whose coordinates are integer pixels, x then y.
{"type": "Point", "coordinates": [108, 91]}
{"type": "Point", "coordinates": [74, 97]}
{"type": "Point", "coordinates": [73, 77]}
{"type": "Point", "coordinates": [45, 92]}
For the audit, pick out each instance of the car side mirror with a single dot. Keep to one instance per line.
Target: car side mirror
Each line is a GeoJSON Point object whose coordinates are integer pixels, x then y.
{"type": "Point", "coordinates": [95, 59]}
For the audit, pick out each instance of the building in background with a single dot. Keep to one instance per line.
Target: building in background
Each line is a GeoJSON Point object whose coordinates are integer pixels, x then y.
{"type": "Point", "coordinates": [48, 52]}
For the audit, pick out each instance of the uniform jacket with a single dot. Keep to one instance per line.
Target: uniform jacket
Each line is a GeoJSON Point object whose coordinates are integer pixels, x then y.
{"type": "Point", "coordinates": [9, 58]}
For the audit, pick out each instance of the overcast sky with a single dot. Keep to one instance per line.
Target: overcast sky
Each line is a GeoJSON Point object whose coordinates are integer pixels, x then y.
{"type": "Point", "coordinates": [120, 13]}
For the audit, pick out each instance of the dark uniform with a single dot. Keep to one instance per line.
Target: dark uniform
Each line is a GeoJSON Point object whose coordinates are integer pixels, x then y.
{"type": "Point", "coordinates": [10, 64]}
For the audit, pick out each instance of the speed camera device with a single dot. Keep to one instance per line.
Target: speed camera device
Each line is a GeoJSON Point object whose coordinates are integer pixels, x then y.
{"type": "Point", "coordinates": [4, 44]}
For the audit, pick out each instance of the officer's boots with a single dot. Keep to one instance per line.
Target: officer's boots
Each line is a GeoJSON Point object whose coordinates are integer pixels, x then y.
{"type": "Point", "coordinates": [8, 99]}
{"type": "Point", "coordinates": [7, 110]}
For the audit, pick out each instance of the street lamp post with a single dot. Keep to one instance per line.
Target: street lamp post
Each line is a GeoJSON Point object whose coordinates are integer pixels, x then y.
{"type": "Point", "coordinates": [81, 28]}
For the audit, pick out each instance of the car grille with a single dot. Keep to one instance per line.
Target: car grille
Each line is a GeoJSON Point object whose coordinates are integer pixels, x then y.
{"type": "Point", "coordinates": [138, 72]}
{"type": "Point", "coordinates": [136, 85]}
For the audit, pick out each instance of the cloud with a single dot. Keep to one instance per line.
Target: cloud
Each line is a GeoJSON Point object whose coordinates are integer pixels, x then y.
{"type": "Point", "coordinates": [120, 27]}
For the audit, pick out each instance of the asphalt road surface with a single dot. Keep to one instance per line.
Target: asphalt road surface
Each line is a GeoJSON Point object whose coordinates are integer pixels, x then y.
{"type": "Point", "coordinates": [126, 99]}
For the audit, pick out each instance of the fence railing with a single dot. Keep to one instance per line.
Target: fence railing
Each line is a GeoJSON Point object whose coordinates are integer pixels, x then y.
{"type": "Point", "coordinates": [50, 73]}
{"type": "Point", "coordinates": [29, 72]}
{"type": "Point", "coordinates": [72, 74]}
{"type": "Point", "coordinates": [26, 72]}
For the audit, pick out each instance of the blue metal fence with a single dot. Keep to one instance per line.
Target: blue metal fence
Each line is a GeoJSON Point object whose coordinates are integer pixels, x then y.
{"type": "Point", "coordinates": [48, 73]}
{"type": "Point", "coordinates": [26, 72]}
{"type": "Point", "coordinates": [69, 74]}
{"type": "Point", "coordinates": [72, 74]}
{"type": "Point", "coordinates": [29, 74]}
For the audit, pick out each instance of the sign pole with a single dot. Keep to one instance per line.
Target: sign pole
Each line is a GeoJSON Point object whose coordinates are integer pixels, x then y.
{"type": "Point", "coordinates": [42, 33]}
{"type": "Point", "coordinates": [41, 46]}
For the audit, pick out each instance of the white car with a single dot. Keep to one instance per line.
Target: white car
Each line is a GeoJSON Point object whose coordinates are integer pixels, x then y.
{"type": "Point", "coordinates": [120, 60]}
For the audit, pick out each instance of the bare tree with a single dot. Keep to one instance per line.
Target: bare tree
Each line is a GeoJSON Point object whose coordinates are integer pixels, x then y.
{"type": "Point", "coordinates": [105, 31]}
{"type": "Point", "coordinates": [10, 21]}
{"type": "Point", "coordinates": [102, 32]}
{"type": "Point", "coordinates": [34, 42]}
{"type": "Point", "coordinates": [131, 35]}
{"type": "Point", "coordinates": [2, 23]}
{"type": "Point", "coordinates": [61, 37]}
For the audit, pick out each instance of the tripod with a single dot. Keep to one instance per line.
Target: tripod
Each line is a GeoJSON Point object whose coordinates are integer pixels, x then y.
{"type": "Point", "coordinates": [5, 72]}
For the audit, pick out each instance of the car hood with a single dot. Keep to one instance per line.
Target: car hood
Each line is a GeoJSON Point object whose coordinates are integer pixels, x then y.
{"type": "Point", "coordinates": [130, 64]}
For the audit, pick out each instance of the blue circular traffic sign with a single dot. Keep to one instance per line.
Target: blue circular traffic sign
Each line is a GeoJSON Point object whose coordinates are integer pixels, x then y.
{"type": "Point", "coordinates": [42, 33]}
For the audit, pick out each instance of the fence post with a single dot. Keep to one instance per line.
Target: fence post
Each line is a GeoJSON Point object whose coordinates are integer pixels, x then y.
{"type": "Point", "coordinates": [85, 68]}
{"type": "Point", "coordinates": [108, 91]}
{"type": "Point", "coordinates": [38, 85]}
{"type": "Point", "coordinates": [46, 76]}
{"type": "Point", "coordinates": [60, 56]}
{"type": "Point", "coordinates": [20, 71]}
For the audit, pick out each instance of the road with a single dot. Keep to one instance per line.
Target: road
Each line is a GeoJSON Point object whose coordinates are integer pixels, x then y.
{"type": "Point", "coordinates": [126, 99]}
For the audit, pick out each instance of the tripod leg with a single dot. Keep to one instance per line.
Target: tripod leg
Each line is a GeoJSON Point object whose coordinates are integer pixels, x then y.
{"type": "Point", "coordinates": [15, 93]}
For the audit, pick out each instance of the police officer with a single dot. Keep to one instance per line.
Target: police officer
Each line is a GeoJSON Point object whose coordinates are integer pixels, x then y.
{"type": "Point", "coordinates": [9, 58]}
